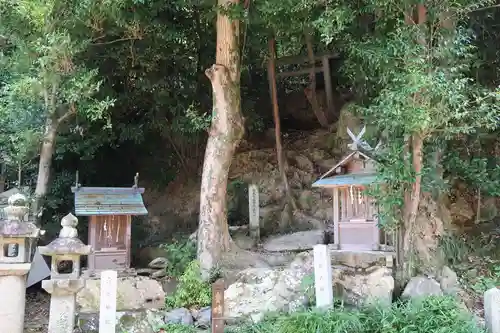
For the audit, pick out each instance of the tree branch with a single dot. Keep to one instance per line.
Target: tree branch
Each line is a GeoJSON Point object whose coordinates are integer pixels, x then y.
{"type": "Point", "coordinates": [484, 8]}
{"type": "Point", "coordinates": [116, 41]}
{"type": "Point", "coordinates": [69, 113]}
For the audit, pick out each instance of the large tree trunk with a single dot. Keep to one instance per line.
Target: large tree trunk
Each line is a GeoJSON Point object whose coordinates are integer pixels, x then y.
{"type": "Point", "coordinates": [225, 134]}
{"type": "Point", "coordinates": [46, 154]}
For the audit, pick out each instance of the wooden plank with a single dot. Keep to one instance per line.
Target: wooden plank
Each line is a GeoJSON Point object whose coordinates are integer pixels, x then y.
{"type": "Point", "coordinates": [92, 242]}
{"type": "Point", "coordinates": [327, 75]}
{"type": "Point", "coordinates": [302, 59]}
{"type": "Point", "coordinates": [348, 203]}
{"type": "Point", "coordinates": [305, 71]}
{"type": "Point", "coordinates": [218, 306]}
{"type": "Point", "coordinates": [336, 217]}
{"type": "Point", "coordinates": [128, 239]}
{"type": "Point", "coordinates": [343, 214]}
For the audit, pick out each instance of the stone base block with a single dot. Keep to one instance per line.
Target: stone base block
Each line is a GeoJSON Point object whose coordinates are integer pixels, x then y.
{"type": "Point", "coordinates": [13, 291]}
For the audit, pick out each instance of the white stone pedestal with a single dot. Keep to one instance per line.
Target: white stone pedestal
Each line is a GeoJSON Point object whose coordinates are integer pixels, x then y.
{"type": "Point", "coordinates": [62, 304]}
{"type": "Point", "coordinates": [13, 296]}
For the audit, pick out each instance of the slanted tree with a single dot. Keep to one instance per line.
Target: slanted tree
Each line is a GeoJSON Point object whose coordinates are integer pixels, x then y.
{"type": "Point", "coordinates": [225, 133]}
{"type": "Point", "coordinates": [45, 73]}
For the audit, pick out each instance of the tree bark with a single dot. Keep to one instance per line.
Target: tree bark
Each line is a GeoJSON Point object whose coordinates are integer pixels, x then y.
{"type": "Point", "coordinates": [46, 154]}
{"type": "Point", "coordinates": [277, 126]}
{"type": "Point", "coordinates": [412, 201]}
{"type": "Point", "coordinates": [311, 91]}
{"type": "Point", "coordinates": [225, 134]}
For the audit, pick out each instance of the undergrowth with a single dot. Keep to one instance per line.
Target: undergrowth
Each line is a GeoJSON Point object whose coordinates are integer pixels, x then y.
{"type": "Point", "coordinates": [475, 259]}
{"type": "Point", "coordinates": [433, 314]}
{"type": "Point", "coordinates": [191, 291]}
{"type": "Point", "coordinates": [180, 252]}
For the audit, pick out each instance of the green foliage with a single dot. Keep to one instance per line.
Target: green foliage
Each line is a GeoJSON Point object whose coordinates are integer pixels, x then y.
{"type": "Point", "coordinates": [434, 314]}
{"type": "Point", "coordinates": [454, 249]}
{"type": "Point", "coordinates": [191, 290]}
{"type": "Point", "coordinates": [486, 281]}
{"type": "Point", "coordinates": [307, 286]}
{"type": "Point", "coordinates": [405, 86]}
{"type": "Point", "coordinates": [180, 253]}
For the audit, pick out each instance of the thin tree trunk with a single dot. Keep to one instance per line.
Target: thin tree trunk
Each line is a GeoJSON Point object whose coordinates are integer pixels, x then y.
{"type": "Point", "coordinates": [2, 177]}
{"type": "Point", "coordinates": [46, 154]}
{"type": "Point", "coordinates": [277, 124]}
{"type": "Point", "coordinates": [225, 134]}
{"type": "Point", "coordinates": [311, 94]}
{"type": "Point", "coordinates": [412, 201]}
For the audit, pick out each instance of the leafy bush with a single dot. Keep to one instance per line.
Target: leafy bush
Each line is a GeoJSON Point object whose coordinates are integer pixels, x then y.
{"type": "Point", "coordinates": [180, 253]}
{"type": "Point", "coordinates": [433, 314]}
{"type": "Point", "coordinates": [191, 290]}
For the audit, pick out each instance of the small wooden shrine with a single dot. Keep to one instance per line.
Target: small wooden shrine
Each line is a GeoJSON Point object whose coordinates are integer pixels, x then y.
{"type": "Point", "coordinates": [110, 211]}
{"type": "Point", "coordinates": [355, 224]}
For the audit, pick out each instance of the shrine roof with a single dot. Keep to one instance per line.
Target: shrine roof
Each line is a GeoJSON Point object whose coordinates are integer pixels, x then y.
{"type": "Point", "coordinates": [346, 180]}
{"type": "Point", "coordinates": [90, 201]}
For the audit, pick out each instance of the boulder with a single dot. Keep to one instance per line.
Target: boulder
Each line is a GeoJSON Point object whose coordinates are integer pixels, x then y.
{"type": "Point", "coordinates": [147, 254]}
{"type": "Point", "coordinates": [375, 287]}
{"type": "Point", "coordinates": [298, 241]}
{"type": "Point", "coordinates": [147, 321]}
{"type": "Point", "coordinates": [448, 281]}
{"type": "Point", "coordinates": [203, 317]}
{"type": "Point", "coordinates": [261, 290]}
{"type": "Point", "coordinates": [422, 286]}
{"type": "Point", "coordinates": [133, 293]}
{"type": "Point", "coordinates": [257, 291]}
{"type": "Point", "coordinates": [179, 316]}
{"type": "Point", "coordinates": [159, 263]}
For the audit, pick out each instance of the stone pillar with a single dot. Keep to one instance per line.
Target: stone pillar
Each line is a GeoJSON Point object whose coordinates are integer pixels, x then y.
{"type": "Point", "coordinates": [65, 250]}
{"type": "Point", "coordinates": [492, 310]}
{"type": "Point", "coordinates": [323, 281]}
{"type": "Point", "coordinates": [15, 262]}
{"type": "Point", "coordinates": [253, 212]}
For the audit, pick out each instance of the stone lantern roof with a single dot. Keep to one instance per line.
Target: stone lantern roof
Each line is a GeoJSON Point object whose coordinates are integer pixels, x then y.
{"type": "Point", "coordinates": [67, 243]}
{"type": "Point", "coordinates": [14, 225]}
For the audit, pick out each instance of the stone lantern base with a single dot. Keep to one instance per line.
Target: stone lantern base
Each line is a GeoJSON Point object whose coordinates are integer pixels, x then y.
{"type": "Point", "coordinates": [13, 291]}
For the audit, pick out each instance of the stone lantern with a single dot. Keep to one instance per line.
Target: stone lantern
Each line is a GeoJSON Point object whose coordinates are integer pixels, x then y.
{"type": "Point", "coordinates": [16, 236]}
{"type": "Point", "coordinates": [65, 250]}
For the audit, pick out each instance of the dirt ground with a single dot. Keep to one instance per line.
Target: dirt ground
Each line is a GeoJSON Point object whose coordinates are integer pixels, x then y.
{"type": "Point", "coordinates": [36, 317]}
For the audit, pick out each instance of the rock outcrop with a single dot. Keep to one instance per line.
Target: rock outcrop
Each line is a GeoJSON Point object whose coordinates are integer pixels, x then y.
{"type": "Point", "coordinates": [358, 278]}
{"type": "Point", "coordinates": [133, 293]}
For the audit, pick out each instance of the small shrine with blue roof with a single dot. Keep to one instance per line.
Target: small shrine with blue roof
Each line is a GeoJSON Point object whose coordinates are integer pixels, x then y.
{"type": "Point", "coordinates": [355, 222]}
{"type": "Point", "coordinates": [110, 211]}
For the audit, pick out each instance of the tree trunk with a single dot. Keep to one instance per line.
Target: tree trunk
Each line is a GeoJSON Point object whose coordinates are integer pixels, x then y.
{"type": "Point", "coordinates": [412, 201]}
{"type": "Point", "coordinates": [225, 134]}
{"type": "Point", "coordinates": [46, 153]}
{"type": "Point", "coordinates": [277, 126]}
{"type": "Point", "coordinates": [311, 92]}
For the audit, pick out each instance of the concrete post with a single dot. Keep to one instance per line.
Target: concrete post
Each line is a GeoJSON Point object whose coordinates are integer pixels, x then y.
{"type": "Point", "coordinates": [15, 262]}
{"type": "Point", "coordinates": [492, 310]}
{"type": "Point", "coordinates": [253, 212]}
{"type": "Point", "coordinates": [65, 250]}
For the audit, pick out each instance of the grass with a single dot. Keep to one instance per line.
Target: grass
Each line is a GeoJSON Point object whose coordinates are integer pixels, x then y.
{"type": "Point", "coordinates": [433, 314]}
